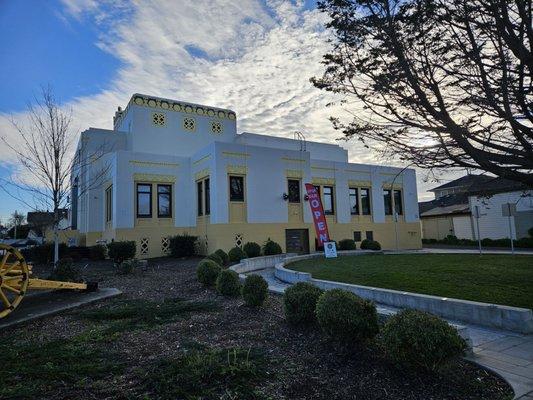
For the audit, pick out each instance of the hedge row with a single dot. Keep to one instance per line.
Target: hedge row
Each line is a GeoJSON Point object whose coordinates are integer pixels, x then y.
{"type": "Point", "coordinates": [526, 242]}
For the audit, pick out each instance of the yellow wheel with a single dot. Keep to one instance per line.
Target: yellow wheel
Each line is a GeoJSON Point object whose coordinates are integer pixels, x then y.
{"type": "Point", "coordinates": [14, 278]}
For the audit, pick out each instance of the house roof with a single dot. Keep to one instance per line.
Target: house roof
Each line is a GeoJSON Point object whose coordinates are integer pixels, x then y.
{"type": "Point", "coordinates": [497, 185]}
{"type": "Point", "coordinates": [465, 181]}
{"type": "Point", "coordinates": [448, 202]}
{"type": "Point", "coordinates": [453, 209]}
{"type": "Point", "coordinates": [44, 218]}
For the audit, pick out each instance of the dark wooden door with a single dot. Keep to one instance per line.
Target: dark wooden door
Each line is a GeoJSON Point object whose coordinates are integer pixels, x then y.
{"type": "Point", "coordinates": [297, 241]}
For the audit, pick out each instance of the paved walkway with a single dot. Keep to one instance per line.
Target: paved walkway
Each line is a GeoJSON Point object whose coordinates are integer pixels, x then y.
{"type": "Point", "coordinates": [506, 353]}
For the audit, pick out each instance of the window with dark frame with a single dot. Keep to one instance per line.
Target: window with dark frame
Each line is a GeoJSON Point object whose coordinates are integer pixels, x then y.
{"type": "Point", "coordinates": [357, 236]}
{"type": "Point", "coordinates": [354, 201]}
{"type": "Point", "coordinates": [109, 204]}
{"type": "Point", "coordinates": [370, 235]}
{"type": "Point", "coordinates": [398, 205]}
{"type": "Point", "coordinates": [387, 200]}
{"type": "Point", "coordinates": [294, 190]}
{"type": "Point", "coordinates": [199, 197]}
{"type": "Point", "coordinates": [329, 209]}
{"type": "Point", "coordinates": [365, 201]}
{"type": "Point", "coordinates": [236, 188]}
{"type": "Point", "coordinates": [207, 194]}
{"type": "Point", "coordinates": [164, 201]}
{"type": "Point", "coordinates": [144, 200]}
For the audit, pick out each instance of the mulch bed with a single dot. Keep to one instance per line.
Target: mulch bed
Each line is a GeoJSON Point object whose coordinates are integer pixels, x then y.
{"type": "Point", "coordinates": [303, 364]}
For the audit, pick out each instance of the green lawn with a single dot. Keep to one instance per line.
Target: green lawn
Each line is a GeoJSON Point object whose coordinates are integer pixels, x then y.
{"type": "Point", "coordinates": [498, 279]}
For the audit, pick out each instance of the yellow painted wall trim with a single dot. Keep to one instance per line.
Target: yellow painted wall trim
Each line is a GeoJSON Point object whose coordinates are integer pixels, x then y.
{"type": "Point", "coordinates": [154, 178]}
{"type": "Point", "coordinates": [154, 163]}
{"type": "Point", "coordinates": [201, 174]}
{"type": "Point", "coordinates": [355, 183]}
{"type": "Point", "coordinates": [357, 171]}
{"type": "Point", "coordinates": [324, 168]}
{"type": "Point", "coordinates": [236, 169]}
{"type": "Point", "coordinates": [293, 159]}
{"type": "Point", "coordinates": [201, 160]}
{"type": "Point", "coordinates": [293, 173]}
{"type": "Point", "coordinates": [387, 185]}
{"type": "Point", "coordinates": [228, 154]}
{"type": "Point", "coordinates": [323, 181]}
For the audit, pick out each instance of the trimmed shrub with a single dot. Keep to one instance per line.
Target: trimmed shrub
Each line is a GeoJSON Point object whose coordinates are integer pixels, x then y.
{"type": "Point", "coordinates": [228, 283]}
{"type": "Point", "coordinates": [127, 267]}
{"type": "Point", "coordinates": [216, 258]}
{"type": "Point", "coordinates": [450, 239]}
{"type": "Point", "coordinates": [530, 232]}
{"type": "Point", "coordinates": [66, 271]}
{"type": "Point", "coordinates": [236, 254]}
{"type": "Point", "coordinates": [207, 272]}
{"type": "Point", "coordinates": [347, 244]}
{"type": "Point", "coordinates": [97, 252]}
{"type": "Point", "coordinates": [255, 290]}
{"type": "Point", "coordinates": [421, 340]}
{"type": "Point", "coordinates": [525, 242]}
{"type": "Point", "coordinates": [299, 303]}
{"type": "Point", "coordinates": [223, 256]}
{"type": "Point", "coordinates": [346, 317]}
{"type": "Point", "coordinates": [370, 245]}
{"type": "Point", "coordinates": [120, 251]}
{"type": "Point", "coordinates": [252, 249]}
{"type": "Point", "coordinates": [271, 248]}
{"type": "Point", "coordinates": [183, 245]}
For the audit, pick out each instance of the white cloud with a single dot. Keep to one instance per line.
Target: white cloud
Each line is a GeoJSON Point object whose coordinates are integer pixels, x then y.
{"type": "Point", "coordinates": [253, 58]}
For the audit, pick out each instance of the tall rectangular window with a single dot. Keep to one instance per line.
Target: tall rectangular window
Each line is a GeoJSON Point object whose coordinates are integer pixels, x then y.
{"type": "Point", "coordinates": [365, 201]}
{"type": "Point", "coordinates": [144, 200]}
{"type": "Point", "coordinates": [109, 204]}
{"type": "Point", "coordinates": [236, 188]}
{"type": "Point", "coordinates": [370, 235]}
{"type": "Point", "coordinates": [294, 190]}
{"type": "Point", "coordinates": [199, 198]}
{"type": "Point", "coordinates": [207, 191]}
{"type": "Point", "coordinates": [164, 201]}
{"type": "Point", "coordinates": [328, 200]}
{"type": "Point", "coordinates": [357, 236]}
{"type": "Point", "coordinates": [398, 206]}
{"type": "Point", "coordinates": [354, 202]}
{"type": "Point", "coordinates": [387, 199]}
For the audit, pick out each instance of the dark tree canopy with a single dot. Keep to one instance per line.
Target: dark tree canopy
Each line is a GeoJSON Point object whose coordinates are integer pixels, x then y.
{"type": "Point", "coordinates": [443, 83]}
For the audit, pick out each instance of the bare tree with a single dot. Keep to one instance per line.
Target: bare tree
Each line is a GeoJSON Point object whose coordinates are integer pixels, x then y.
{"type": "Point", "coordinates": [16, 220]}
{"type": "Point", "coordinates": [442, 83]}
{"type": "Point", "coordinates": [47, 157]}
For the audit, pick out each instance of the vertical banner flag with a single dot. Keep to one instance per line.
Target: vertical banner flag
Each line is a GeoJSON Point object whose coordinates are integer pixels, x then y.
{"type": "Point", "coordinates": [317, 210]}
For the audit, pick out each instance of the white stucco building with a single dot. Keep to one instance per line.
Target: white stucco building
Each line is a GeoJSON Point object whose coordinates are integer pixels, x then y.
{"type": "Point", "coordinates": [171, 167]}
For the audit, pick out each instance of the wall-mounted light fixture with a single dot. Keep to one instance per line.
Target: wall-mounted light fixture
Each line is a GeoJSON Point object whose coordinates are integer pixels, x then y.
{"type": "Point", "coordinates": [306, 197]}
{"type": "Point", "coordinates": [285, 196]}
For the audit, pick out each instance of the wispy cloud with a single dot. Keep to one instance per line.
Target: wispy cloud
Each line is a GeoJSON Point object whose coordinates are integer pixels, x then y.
{"type": "Point", "coordinates": [253, 57]}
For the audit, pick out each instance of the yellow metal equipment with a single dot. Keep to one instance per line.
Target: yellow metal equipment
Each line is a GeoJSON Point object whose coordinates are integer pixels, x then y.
{"type": "Point", "coordinates": [15, 280]}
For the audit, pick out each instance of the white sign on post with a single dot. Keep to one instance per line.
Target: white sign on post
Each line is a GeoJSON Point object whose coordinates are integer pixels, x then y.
{"type": "Point", "coordinates": [508, 210]}
{"type": "Point", "coordinates": [330, 250]}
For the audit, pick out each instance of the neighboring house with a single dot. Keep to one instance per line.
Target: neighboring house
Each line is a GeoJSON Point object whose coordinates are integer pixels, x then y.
{"type": "Point", "coordinates": [451, 211]}
{"type": "Point", "coordinates": [171, 167]}
{"type": "Point", "coordinates": [41, 222]}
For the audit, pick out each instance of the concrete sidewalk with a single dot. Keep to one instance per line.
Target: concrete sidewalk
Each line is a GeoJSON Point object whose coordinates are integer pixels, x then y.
{"type": "Point", "coordinates": [508, 354]}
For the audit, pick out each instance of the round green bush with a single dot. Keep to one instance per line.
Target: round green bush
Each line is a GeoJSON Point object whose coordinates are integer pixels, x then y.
{"type": "Point", "coordinates": [421, 340]}
{"type": "Point", "coordinates": [236, 254]}
{"type": "Point", "coordinates": [252, 249]}
{"type": "Point", "coordinates": [223, 256]}
{"type": "Point", "coordinates": [207, 272]}
{"type": "Point", "coordinates": [346, 317]}
{"type": "Point", "coordinates": [347, 244]}
{"type": "Point", "coordinates": [370, 245]}
{"type": "Point", "coordinates": [228, 283]}
{"type": "Point", "coordinates": [255, 290]}
{"type": "Point", "coordinates": [66, 271]}
{"type": "Point", "coordinates": [299, 303]}
{"type": "Point", "coordinates": [216, 258]}
{"type": "Point", "coordinates": [271, 248]}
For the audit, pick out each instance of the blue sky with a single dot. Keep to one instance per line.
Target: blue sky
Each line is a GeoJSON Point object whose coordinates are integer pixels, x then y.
{"type": "Point", "coordinates": [254, 56]}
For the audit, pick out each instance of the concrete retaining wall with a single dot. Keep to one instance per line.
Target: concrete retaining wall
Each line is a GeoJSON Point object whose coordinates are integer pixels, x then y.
{"type": "Point", "coordinates": [253, 264]}
{"type": "Point", "coordinates": [491, 315]}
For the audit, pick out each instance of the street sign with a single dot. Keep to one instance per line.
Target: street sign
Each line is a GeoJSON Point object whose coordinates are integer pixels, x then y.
{"type": "Point", "coordinates": [330, 250]}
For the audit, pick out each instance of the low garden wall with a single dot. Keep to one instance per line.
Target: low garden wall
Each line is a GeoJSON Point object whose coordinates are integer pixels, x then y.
{"type": "Point", "coordinates": [490, 315]}
{"type": "Point", "coordinates": [253, 264]}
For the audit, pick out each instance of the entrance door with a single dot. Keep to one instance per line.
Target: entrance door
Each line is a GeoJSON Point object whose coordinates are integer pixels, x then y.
{"type": "Point", "coordinates": [297, 241]}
